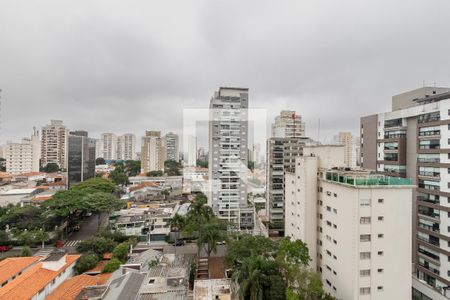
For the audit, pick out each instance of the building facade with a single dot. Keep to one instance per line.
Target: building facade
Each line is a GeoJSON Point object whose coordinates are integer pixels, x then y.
{"type": "Point", "coordinates": [346, 139]}
{"type": "Point", "coordinates": [171, 146]}
{"type": "Point", "coordinates": [346, 217]}
{"type": "Point", "coordinates": [228, 151]}
{"type": "Point", "coordinates": [152, 155]}
{"type": "Point", "coordinates": [192, 151]}
{"type": "Point", "coordinates": [81, 158]}
{"type": "Point", "coordinates": [126, 147]}
{"type": "Point", "coordinates": [413, 141]}
{"type": "Point", "coordinates": [281, 154]}
{"type": "Point", "coordinates": [54, 144]}
{"type": "Point", "coordinates": [108, 143]}
{"type": "Point", "coordinates": [23, 157]}
{"type": "Point", "coordinates": [288, 124]}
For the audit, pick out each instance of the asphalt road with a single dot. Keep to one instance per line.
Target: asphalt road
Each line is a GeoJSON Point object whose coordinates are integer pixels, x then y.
{"type": "Point", "coordinates": [88, 228]}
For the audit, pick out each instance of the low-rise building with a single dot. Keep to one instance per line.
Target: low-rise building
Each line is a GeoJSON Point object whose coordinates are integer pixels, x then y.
{"type": "Point", "coordinates": [38, 280]}
{"type": "Point", "coordinates": [357, 225]}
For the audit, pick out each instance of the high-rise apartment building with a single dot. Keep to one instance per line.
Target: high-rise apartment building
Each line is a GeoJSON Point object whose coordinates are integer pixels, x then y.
{"type": "Point", "coordinates": [23, 157]}
{"type": "Point", "coordinates": [108, 142]}
{"type": "Point", "coordinates": [192, 151]}
{"type": "Point", "coordinates": [281, 154]}
{"type": "Point", "coordinates": [80, 157]}
{"type": "Point", "coordinates": [171, 147]}
{"type": "Point", "coordinates": [346, 139]}
{"type": "Point", "coordinates": [228, 151]}
{"type": "Point", "coordinates": [413, 141]}
{"type": "Point", "coordinates": [288, 124]}
{"type": "Point", "coordinates": [152, 156]}
{"type": "Point", "coordinates": [126, 147]}
{"type": "Point", "coordinates": [54, 144]}
{"type": "Point", "coordinates": [356, 224]}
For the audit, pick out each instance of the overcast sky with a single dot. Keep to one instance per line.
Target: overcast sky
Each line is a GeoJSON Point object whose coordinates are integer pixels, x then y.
{"type": "Point", "coordinates": [128, 66]}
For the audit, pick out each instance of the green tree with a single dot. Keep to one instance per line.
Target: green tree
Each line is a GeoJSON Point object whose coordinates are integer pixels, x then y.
{"type": "Point", "coordinates": [177, 224]}
{"type": "Point", "coordinates": [86, 262]}
{"type": "Point", "coordinates": [257, 276]}
{"type": "Point", "coordinates": [111, 265]}
{"type": "Point", "coordinates": [119, 177]}
{"type": "Point", "coordinates": [132, 167]}
{"type": "Point", "coordinates": [121, 252]}
{"type": "Point", "coordinates": [26, 217]}
{"type": "Point", "coordinates": [97, 245]}
{"type": "Point", "coordinates": [251, 165]}
{"type": "Point", "coordinates": [198, 215]}
{"type": "Point", "coordinates": [32, 237]}
{"type": "Point", "coordinates": [100, 161]}
{"type": "Point", "coordinates": [154, 174]}
{"type": "Point", "coordinates": [210, 234]}
{"type": "Point", "coordinates": [246, 246]}
{"type": "Point", "coordinates": [4, 238]}
{"type": "Point", "coordinates": [202, 164]}
{"type": "Point", "coordinates": [100, 202]}
{"type": "Point", "coordinates": [50, 168]}
{"type": "Point", "coordinates": [172, 167]}
{"type": "Point", "coordinates": [26, 251]}
{"type": "Point", "coordinates": [97, 183]}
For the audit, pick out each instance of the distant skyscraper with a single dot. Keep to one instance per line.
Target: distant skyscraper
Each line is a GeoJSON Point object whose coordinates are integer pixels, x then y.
{"type": "Point", "coordinates": [281, 155]}
{"type": "Point", "coordinates": [228, 133]}
{"type": "Point", "coordinates": [126, 147]}
{"type": "Point", "coordinates": [81, 157]}
{"type": "Point", "coordinates": [152, 156]}
{"type": "Point", "coordinates": [109, 146]}
{"type": "Point", "coordinates": [54, 144]}
{"type": "Point", "coordinates": [192, 151]}
{"type": "Point", "coordinates": [288, 124]}
{"type": "Point", "coordinates": [171, 147]}
{"type": "Point", "coordinates": [23, 157]}
{"type": "Point", "coordinates": [346, 139]}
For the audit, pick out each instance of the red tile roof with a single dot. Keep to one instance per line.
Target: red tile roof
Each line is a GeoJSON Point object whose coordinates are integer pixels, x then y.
{"type": "Point", "coordinates": [13, 265]}
{"type": "Point", "coordinates": [33, 280]}
{"type": "Point", "coordinates": [72, 287]}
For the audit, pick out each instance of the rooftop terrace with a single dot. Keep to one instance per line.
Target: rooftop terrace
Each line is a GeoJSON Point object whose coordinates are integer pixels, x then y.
{"type": "Point", "coordinates": [366, 179]}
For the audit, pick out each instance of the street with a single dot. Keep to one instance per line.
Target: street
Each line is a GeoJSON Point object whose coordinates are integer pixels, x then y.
{"type": "Point", "coordinates": [88, 228]}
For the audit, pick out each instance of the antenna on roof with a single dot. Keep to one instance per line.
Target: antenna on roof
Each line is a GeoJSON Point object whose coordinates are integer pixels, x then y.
{"type": "Point", "coordinates": [318, 133]}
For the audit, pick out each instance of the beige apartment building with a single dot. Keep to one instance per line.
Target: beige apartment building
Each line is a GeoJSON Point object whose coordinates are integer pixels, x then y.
{"type": "Point", "coordinates": [356, 224]}
{"type": "Point", "coordinates": [54, 144]}
{"type": "Point", "coordinates": [152, 154]}
{"type": "Point", "coordinates": [346, 139]}
{"type": "Point", "coordinates": [23, 157]}
{"type": "Point", "coordinates": [288, 125]}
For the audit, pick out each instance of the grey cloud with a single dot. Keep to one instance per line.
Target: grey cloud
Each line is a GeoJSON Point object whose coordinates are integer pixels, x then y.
{"type": "Point", "coordinates": [130, 66]}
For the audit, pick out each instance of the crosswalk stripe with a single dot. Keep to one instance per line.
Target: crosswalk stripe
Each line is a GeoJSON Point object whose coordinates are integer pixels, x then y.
{"type": "Point", "coordinates": [72, 243]}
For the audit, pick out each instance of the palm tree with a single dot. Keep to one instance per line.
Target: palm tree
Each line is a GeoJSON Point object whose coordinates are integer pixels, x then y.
{"type": "Point", "coordinates": [210, 235]}
{"type": "Point", "coordinates": [177, 224]}
{"type": "Point", "coordinates": [198, 215]}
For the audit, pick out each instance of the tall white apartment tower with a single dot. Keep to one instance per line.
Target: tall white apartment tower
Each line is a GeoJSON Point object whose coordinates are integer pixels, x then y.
{"type": "Point", "coordinates": [126, 147]}
{"type": "Point", "coordinates": [413, 141]}
{"type": "Point", "coordinates": [171, 146]}
{"type": "Point", "coordinates": [54, 144]}
{"type": "Point", "coordinates": [228, 136]}
{"type": "Point", "coordinates": [192, 151]}
{"type": "Point", "coordinates": [346, 139]}
{"type": "Point", "coordinates": [288, 124]}
{"type": "Point", "coordinates": [23, 157]}
{"type": "Point", "coordinates": [357, 225]}
{"type": "Point", "coordinates": [109, 146]}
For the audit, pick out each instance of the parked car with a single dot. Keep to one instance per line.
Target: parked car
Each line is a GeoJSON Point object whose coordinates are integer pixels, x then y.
{"type": "Point", "coordinates": [77, 227]}
{"type": "Point", "coordinates": [4, 248]}
{"type": "Point", "coordinates": [179, 243]}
